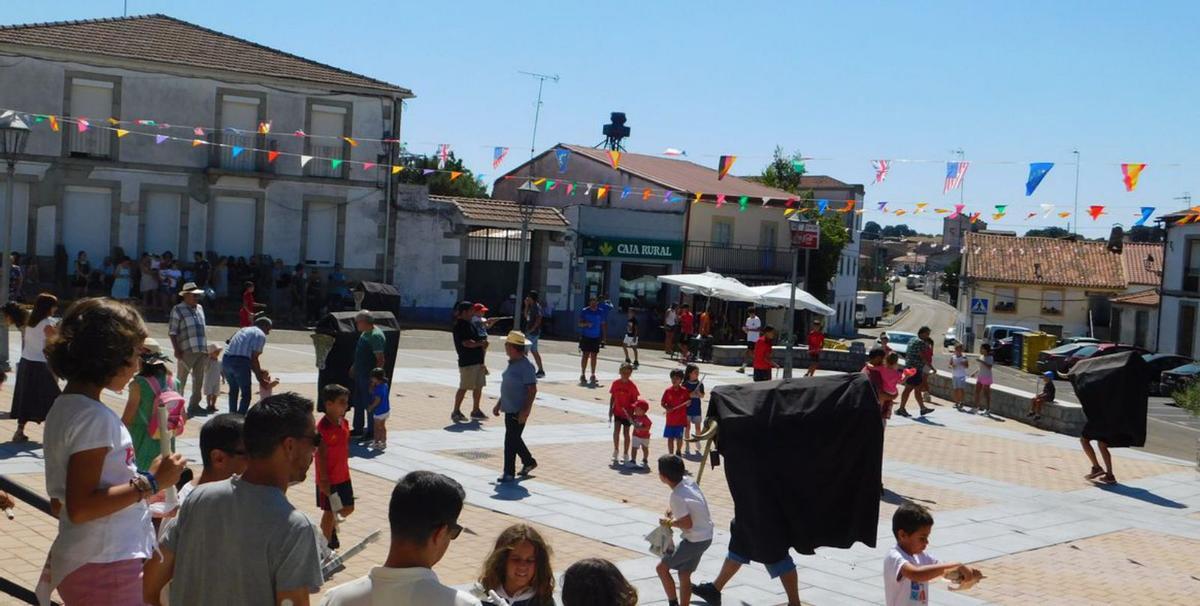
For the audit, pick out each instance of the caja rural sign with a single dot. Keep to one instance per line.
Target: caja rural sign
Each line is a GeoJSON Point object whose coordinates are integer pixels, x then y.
{"type": "Point", "coordinates": [627, 248]}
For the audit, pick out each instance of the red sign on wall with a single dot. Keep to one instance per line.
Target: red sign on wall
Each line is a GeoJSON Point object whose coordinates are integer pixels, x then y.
{"type": "Point", "coordinates": [806, 236]}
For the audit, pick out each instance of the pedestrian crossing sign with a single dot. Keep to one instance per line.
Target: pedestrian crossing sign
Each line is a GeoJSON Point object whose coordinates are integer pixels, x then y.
{"type": "Point", "coordinates": [979, 306]}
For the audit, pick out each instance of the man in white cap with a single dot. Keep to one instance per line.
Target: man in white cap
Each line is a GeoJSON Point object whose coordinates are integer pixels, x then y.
{"type": "Point", "coordinates": [186, 328]}
{"type": "Point", "coordinates": [518, 388]}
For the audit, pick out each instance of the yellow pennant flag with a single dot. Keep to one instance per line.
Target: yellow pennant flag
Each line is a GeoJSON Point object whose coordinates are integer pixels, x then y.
{"type": "Point", "coordinates": [614, 157]}
{"type": "Point", "coordinates": [397, 169]}
{"type": "Point", "coordinates": [114, 121]}
{"type": "Point", "coordinates": [53, 123]}
{"type": "Point", "coordinates": [197, 142]}
{"type": "Point", "coordinates": [121, 132]}
{"type": "Point", "coordinates": [901, 212]}
{"type": "Point", "coordinates": [698, 194]}
{"type": "Point", "coordinates": [352, 142]}
{"type": "Point", "coordinates": [454, 175]}
{"type": "Point", "coordinates": [787, 212]}
{"type": "Point", "coordinates": [941, 211]}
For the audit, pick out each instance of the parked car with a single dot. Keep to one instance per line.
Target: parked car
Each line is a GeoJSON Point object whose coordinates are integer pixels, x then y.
{"type": "Point", "coordinates": [1093, 350]}
{"type": "Point", "coordinates": [950, 338]}
{"type": "Point", "coordinates": [1160, 363]}
{"type": "Point", "coordinates": [999, 336]}
{"type": "Point", "coordinates": [898, 340]}
{"type": "Point", "coordinates": [1178, 378]}
{"type": "Point", "coordinates": [1052, 359]}
{"type": "Point", "coordinates": [1079, 340]}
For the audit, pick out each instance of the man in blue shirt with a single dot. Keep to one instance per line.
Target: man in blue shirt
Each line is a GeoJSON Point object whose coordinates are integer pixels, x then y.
{"type": "Point", "coordinates": [593, 325]}
{"type": "Point", "coordinates": [518, 388]}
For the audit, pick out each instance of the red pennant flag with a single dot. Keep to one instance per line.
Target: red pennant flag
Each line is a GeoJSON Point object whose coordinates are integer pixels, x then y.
{"type": "Point", "coordinates": [1096, 211]}
{"type": "Point", "coordinates": [723, 166]}
{"type": "Point", "coordinates": [272, 156]}
{"type": "Point", "coordinates": [720, 200]}
{"type": "Point", "coordinates": [1130, 174]}
{"type": "Point", "coordinates": [614, 158]}
{"type": "Point", "coordinates": [791, 202]}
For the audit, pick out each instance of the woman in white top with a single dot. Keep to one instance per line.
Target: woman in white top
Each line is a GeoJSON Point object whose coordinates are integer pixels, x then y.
{"type": "Point", "coordinates": [36, 387]}
{"type": "Point", "coordinates": [96, 491]}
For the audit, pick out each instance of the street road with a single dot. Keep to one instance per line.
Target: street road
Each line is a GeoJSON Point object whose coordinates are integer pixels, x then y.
{"type": "Point", "coordinates": [1169, 430]}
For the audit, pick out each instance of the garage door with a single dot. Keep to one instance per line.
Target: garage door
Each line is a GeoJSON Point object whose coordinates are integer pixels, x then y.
{"type": "Point", "coordinates": [162, 224]}
{"type": "Point", "coordinates": [87, 222]}
{"type": "Point", "coordinates": [233, 226]}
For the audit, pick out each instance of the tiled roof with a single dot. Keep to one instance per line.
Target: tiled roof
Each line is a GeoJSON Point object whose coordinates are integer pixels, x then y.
{"type": "Point", "coordinates": [502, 212]}
{"type": "Point", "coordinates": [164, 39]}
{"type": "Point", "coordinates": [1046, 261]}
{"type": "Point", "coordinates": [1134, 257]}
{"type": "Point", "coordinates": [1144, 297]}
{"type": "Point", "coordinates": [681, 175]}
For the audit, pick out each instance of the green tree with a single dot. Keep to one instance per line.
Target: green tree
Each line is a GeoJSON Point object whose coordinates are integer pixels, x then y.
{"type": "Point", "coordinates": [440, 184]}
{"type": "Point", "coordinates": [950, 280]}
{"type": "Point", "coordinates": [898, 231]}
{"type": "Point", "coordinates": [1146, 233]}
{"type": "Point", "coordinates": [1047, 232]}
{"type": "Point", "coordinates": [785, 172]}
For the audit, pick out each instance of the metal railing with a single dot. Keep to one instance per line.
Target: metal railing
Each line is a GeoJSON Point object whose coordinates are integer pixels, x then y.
{"type": "Point", "coordinates": [91, 143]}
{"type": "Point", "coordinates": [735, 259]}
{"type": "Point", "coordinates": [246, 160]}
{"type": "Point", "coordinates": [39, 503]}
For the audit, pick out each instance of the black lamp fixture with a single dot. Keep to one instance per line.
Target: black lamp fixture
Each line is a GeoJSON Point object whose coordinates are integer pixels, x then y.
{"type": "Point", "coordinates": [527, 194]}
{"type": "Point", "coordinates": [14, 133]}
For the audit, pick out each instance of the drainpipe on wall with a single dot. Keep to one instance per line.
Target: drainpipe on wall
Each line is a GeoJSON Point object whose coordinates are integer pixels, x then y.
{"type": "Point", "coordinates": [1161, 285]}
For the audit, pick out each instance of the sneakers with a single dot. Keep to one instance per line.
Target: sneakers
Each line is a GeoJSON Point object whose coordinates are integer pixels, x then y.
{"type": "Point", "coordinates": [334, 543]}
{"type": "Point", "coordinates": [903, 413]}
{"type": "Point", "coordinates": [594, 382]}
{"type": "Point", "coordinates": [645, 464]}
{"type": "Point", "coordinates": [541, 374]}
{"type": "Point", "coordinates": [583, 381]}
{"type": "Point", "coordinates": [525, 469]}
{"type": "Point", "coordinates": [379, 445]}
{"type": "Point", "coordinates": [478, 414]}
{"type": "Point", "coordinates": [614, 458]}
{"type": "Point", "coordinates": [635, 364]}
{"type": "Point", "coordinates": [504, 479]}
{"type": "Point", "coordinates": [707, 592]}
{"type": "Point", "coordinates": [741, 370]}
{"type": "Point", "coordinates": [457, 416]}
{"type": "Point", "coordinates": [627, 360]}
{"type": "Point", "coordinates": [925, 411]}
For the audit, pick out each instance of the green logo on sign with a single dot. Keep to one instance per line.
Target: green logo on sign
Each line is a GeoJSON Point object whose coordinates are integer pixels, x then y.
{"type": "Point", "coordinates": [606, 248]}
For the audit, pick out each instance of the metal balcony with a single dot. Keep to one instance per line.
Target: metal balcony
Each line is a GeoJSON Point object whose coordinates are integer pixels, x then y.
{"type": "Point", "coordinates": [733, 259]}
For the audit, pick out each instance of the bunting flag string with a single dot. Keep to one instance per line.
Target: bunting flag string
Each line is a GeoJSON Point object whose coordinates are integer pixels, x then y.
{"type": "Point", "coordinates": [720, 200]}
{"type": "Point", "coordinates": [1037, 172]}
{"type": "Point", "coordinates": [1145, 212]}
{"type": "Point", "coordinates": [921, 207]}
{"type": "Point", "coordinates": [1064, 214]}
{"type": "Point", "coordinates": [625, 192]}
{"type": "Point", "coordinates": [563, 156]}
{"type": "Point", "coordinates": [724, 165]}
{"type": "Point", "coordinates": [498, 155]}
{"type": "Point", "coordinates": [1046, 209]}
{"type": "Point", "coordinates": [766, 201]}
{"type": "Point", "coordinates": [881, 169]}
{"type": "Point", "coordinates": [1130, 174]}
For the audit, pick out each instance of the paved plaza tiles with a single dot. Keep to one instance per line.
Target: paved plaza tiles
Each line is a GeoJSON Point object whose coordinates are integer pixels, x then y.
{"type": "Point", "coordinates": [1007, 497]}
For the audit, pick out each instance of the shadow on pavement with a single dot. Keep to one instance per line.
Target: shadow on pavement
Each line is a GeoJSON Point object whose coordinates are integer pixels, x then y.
{"type": "Point", "coordinates": [360, 451]}
{"type": "Point", "coordinates": [510, 491]}
{"type": "Point", "coordinates": [894, 498]}
{"type": "Point", "coordinates": [1141, 494]}
{"type": "Point", "coordinates": [473, 425]}
{"type": "Point", "coordinates": [926, 421]}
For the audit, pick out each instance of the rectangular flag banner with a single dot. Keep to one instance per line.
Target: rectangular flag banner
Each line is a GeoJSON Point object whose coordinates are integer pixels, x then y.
{"type": "Point", "coordinates": [563, 156]}
{"type": "Point", "coordinates": [881, 169]}
{"type": "Point", "coordinates": [955, 171]}
{"type": "Point", "coordinates": [498, 155]}
{"type": "Point", "coordinates": [1037, 171]}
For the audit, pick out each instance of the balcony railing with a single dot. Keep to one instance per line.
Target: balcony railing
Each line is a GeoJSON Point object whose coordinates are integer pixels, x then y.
{"type": "Point", "coordinates": [735, 259]}
{"type": "Point", "coordinates": [245, 160]}
{"type": "Point", "coordinates": [320, 166]}
{"type": "Point", "coordinates": [91, 143]}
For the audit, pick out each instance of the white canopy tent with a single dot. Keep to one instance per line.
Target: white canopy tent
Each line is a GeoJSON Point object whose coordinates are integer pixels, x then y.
{"type": "Point", "coordinates": [712, 285]}
{"type": "Point", "coordinates": [777, 296]}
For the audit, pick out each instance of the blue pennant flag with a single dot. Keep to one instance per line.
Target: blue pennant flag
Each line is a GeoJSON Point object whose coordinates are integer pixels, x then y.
{"type": "Point", "coordinates": [822, 204]}
{"type": "Point", "coordinates": [625, 192]}
{"type": "Point", "coordinates": [1037, 171]}
{"type": "Point", "coordinates": [237, 151]}
{"type": "Point", "coordinates": [1146, 212]}
{"type": "Point", "coordinates": [564, 155]}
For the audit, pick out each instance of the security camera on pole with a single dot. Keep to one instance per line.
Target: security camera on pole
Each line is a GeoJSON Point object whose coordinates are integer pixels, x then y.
{"type": "Point", "coordinates": [806, 236]}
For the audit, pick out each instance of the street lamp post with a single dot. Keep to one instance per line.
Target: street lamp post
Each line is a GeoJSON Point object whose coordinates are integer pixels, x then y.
{"type": "Point", "coordinates": [14, 132]}
{"type": "Point", "coordinates": [526, 203]}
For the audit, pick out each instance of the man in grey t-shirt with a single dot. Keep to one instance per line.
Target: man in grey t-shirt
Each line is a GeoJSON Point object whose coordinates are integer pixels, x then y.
{"type": "Point", "coordinates": [240, 541]}
{"type": "Point", "coordinates": [518, 388]}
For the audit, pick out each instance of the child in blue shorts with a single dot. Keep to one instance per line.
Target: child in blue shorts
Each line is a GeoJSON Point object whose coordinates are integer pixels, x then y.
{"type": "Point", "coordinates": [691, 382]}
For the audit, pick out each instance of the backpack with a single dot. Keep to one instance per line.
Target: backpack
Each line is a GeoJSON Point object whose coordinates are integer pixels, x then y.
{"type": "Point", "coordinates": [176, 407]}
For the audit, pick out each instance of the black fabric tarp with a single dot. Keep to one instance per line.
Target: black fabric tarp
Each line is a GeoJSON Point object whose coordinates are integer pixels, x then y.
{"type": "Point", "coordinates": [378, 296]}
{"type": "Point", "coordinates": [340, 325]}
{"type": "Point", "coordinates": [803, 459]}
{"type": "Point", "coordinates": [1114, 391]}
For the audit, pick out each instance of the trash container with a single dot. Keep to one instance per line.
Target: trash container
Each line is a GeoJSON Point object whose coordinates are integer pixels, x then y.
{"type": "Point", "coordinates": [1018, 345]}
{"type": "Point", "coordinates": [340, 326]}
{"type": "Point", "coordinates": [378, 296]}
{"type": "Point", "coordinates": [1034, 344]}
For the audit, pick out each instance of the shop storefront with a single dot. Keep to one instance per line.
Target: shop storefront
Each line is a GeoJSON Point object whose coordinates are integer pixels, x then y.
{"type": "Point", "coordinates": [625, 271]}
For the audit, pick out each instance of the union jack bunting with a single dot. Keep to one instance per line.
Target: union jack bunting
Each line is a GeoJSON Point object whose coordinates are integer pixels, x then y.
{"type": "Point", "coordinates": [955, 171]}
{"type": "Point", "coordinates": [881, 169]}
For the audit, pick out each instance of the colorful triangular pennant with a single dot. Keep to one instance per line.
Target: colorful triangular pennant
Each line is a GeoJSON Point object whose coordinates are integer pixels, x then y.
{"type": "Point", "coordinates": [498, 154]}
{"type": "Point", "coordinates": [614, 158]}
{"type": "Point", "coordinates": [1037, 172]}
{"type": "Point", "coordinates": [1130, 174]}
{"type": "Point", "coordinates": [723, 165]}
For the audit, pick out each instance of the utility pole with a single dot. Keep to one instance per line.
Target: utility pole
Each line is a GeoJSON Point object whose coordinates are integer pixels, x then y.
{"type": "Point", "coordinates": [1075, 211]}
{"type": "Point", "coordinates": [537, 109]}
{"type": "Point", "coordinates": [962, 185]}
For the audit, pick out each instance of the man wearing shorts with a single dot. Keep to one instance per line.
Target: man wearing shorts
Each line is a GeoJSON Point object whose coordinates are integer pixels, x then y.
{"type": "Point", "coordinates": [472, 375]}
{"type": "Point", "coordinates": [914, 362]}
{"type": "Point", "coordinates": [533, 328]}
{"type": "Point", "coordinates": [593, 324]}
{"type": "Point", "coordinates": [780, 567]}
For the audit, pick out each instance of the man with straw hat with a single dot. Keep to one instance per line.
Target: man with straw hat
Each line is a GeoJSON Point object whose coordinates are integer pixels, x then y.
{"type": "Point", "coordinates": [518, 388]}
{"type": "Point", "coordinates": [186, 327]}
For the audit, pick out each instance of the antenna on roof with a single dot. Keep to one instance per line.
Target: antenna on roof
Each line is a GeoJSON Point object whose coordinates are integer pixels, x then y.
{"type": "Point", "coordinates": [537, 111]}
{"type": "Point", "coordinates": [125, 12]}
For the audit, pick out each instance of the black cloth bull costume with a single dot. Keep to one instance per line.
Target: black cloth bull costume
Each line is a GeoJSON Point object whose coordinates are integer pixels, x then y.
{"type": "Point", "coordinates": [1114, 391]}
{"type": "Point", "coordinates": [803, 459]}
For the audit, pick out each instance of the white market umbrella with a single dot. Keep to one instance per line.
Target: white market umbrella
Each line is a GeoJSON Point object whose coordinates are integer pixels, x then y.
{"type": "Point", "coordinates": [776, 295]}
{"type": "Point", "coordinates": [711, 285]}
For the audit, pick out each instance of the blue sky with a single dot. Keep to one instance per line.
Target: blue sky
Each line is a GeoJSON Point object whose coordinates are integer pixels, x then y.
{"type": "Point", "coordinates": [843, 82]}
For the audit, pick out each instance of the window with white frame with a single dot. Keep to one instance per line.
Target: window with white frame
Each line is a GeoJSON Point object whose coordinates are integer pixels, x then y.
{"type": "Point", "coordinates": [1052, 302]}
{"type": "Point", "coordinates": [1006, 299]}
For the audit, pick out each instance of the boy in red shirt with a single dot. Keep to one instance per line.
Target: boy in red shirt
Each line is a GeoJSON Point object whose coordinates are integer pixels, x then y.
{"type": "Point", "coordinates": [816, 341]}
{"type": "Point", "coordinates": [675, 401]}
{"type": "Point", "coordinates": [620, 409]}
{"type": "Point", "coordinates": [763, 348]}
{"type": "Point", "coordinates": [641, 432]}
{"type": "Point", "coordinates": [333, 461]}
{"type": "Point", "coordinates": [687, 328]}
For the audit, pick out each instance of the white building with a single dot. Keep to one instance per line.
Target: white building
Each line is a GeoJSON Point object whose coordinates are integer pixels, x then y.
{"type": "Point", "coordinates": [1180, 286]}
{"type": "Point", "coordinates": [98, 189]}
{"type": "Point", "coordinates": [1135, 312]}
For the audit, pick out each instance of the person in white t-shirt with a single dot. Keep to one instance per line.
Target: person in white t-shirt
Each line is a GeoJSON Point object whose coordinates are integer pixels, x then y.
{"type": "Point", "coordinates": [96, 491]}
{"type": "Point", "coordinates": [423, 516]}
{"type": "Point", "coordinates": [751, 327]}
{"type": "Point", "coordinates": [689, 512]}
{"type": "Point", "coordinates": [907, 569]}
